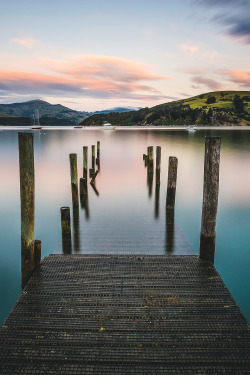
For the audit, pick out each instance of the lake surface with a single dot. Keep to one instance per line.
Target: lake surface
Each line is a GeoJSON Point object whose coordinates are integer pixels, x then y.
{"type": "Point", "coordinates": [126, 217]}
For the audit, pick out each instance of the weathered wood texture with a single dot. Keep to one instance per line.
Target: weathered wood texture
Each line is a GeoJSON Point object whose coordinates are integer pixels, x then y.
{"type": "Point", "coordinates": [210, 197]}
{"type": "Point", "coordinates": [158, 164]}
{"type": "Point", "coordinates": [66, 230]}
{"type": "Point", "coordinates": [27, 196]}
{"type": "Point", "coordinates": [172, 178]}
{"type": "Point", "coordinates": [85, 162]}
{"type": "Point", "coordinates": [92, 314]}
{"type": "Point", "coordinates": [74, 179]}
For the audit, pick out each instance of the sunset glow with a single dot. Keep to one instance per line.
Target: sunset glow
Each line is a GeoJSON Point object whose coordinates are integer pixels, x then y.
{"type": "Point", "coordinates": [96, 55]}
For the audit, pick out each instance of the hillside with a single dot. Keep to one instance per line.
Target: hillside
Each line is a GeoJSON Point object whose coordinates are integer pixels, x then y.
{"type": "Point", "coordinates": [214, 108]}
{"type": "Point", "coordinates": [7, 120]}
{"type": "Point", "coordinates": [27, 109]}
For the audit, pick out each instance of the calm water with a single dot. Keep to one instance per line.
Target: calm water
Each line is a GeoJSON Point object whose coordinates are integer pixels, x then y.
{"type": "Point", "coordinates": [124, 218]}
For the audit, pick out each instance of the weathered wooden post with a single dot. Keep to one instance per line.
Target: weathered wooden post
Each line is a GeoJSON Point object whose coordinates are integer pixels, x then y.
{"type": "Point", "coordinates": [66, 230]}
{"type": "Point", "coordinates": [150, 171]}
{"type": "Point", "coordinates": [93, 157]}
{"type": "Point", "coordinates": [74, 179]}
{"type": "Point", "coordinates": [210, 198]}
{"type": "Point", "coordinates": [85, 162]}
{"type": "Point", "coordinates": [27, 195]}
{"type": "Point", "coordinates": [158, 164]}
{"type": "Point", "coordinates": [38, 252]}
{"type": "Point", "coordinates": [172, 177]}
{"type": "Point", "coordinates": [150, 154]}
{"type": "Point", "coordinates": [98, 150]}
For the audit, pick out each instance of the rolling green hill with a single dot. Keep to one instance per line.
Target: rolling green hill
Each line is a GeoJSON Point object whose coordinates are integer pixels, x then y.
{"type": "Point", "coordinates": [214, 108]}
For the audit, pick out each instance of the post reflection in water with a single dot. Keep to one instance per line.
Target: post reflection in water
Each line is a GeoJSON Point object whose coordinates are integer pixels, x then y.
{"type": "Point", "coordinates": [84, 199]}
{"type": "Point", "coordinates": [170, 227]}
{"type": "Point", "coordinates": [76, 229]}
{"type": "Point", "coordinates": [157, 198]}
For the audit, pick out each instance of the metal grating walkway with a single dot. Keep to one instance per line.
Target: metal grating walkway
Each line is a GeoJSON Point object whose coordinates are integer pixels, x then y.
{"type": "Point", "coordinates": [125, 314]}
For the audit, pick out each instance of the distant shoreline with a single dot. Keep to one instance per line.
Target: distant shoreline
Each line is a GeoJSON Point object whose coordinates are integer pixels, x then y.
{"type": "Point", "coordinates": [127, 127]}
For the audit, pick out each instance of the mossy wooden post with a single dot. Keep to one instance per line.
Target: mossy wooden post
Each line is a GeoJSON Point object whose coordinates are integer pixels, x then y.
{"type": "Point", "coordinates": [38, 252]}
{"type": "Point", "coordinates": [158, 164]}
{"type": "Point", "coordinates": [172, 177]}
{"type": "Point", "coordinates": [66, 230]}
{"type": "Point", "coordinates": [85, 162]}
{"type": "Point", "coordinates": [93, 157]}
{"type": "Point", "coordinates": [210, 198]}
{"type": "Point", "coordinates": [27, 195]}
{"type": "Point", "coordinates": [74, 179]}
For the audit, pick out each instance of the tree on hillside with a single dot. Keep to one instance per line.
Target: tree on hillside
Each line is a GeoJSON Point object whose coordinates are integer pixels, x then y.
{"type": "Point", "coordinates": [238, 104]}
{"type": "Point", "coordinates": [211, 100]}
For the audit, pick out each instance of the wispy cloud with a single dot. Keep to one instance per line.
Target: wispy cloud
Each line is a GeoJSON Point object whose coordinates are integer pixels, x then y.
{"type": "Point", "coordinates": [87, 76]}
{"type": "Point", "coordinates": [236, 26]}
{"type": "Point", "coordinates": [238, 76]}
{"type": "Point", "coordinates": [208, 82]}
{"type": "Point", "coordinates": [188, 49]}
{"type": "Point", "coordinates": [25, 42]}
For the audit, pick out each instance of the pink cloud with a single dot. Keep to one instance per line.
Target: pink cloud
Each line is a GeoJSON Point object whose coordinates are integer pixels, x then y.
{"type": "Point", "coordinates": [210, 83]}
{"type": "Point", "coordinates": [188, 49]}
{"type": "Point", "coordinates": [25, 42]}
{"type": "Point", "coordinates": [238, 76]}
{"type": "Point", "coordinates": [92, 76]}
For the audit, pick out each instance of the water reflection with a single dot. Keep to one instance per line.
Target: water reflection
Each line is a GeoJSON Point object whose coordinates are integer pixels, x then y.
{"type": "Point", "coordinates": [84, 198]}
{"type": "Point", "coordinates": [76, 229]}
{"type": "Point", "coordinates": [123, 219]}
{"type": "Point", "coordinates": [170, 231]}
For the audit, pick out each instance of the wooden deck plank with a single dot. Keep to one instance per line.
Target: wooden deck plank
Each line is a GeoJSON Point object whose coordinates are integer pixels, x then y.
{"type": "Point", "coordinates": [125, 314]}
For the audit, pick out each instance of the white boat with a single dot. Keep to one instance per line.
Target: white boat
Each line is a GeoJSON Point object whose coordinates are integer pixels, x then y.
{"type": "Point", "coordinates": [108, 126]}
{"type": "Point", "coordinates": [191, 128]}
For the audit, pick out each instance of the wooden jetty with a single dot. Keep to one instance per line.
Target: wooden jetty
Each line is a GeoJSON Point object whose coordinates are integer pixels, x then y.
{"type": "Point", "coordinates": [125, 314]}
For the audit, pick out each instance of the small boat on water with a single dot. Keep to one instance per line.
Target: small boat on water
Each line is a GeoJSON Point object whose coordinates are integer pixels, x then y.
{"type": "Point", "coordinates": [108, 126]}
{"type": "Point", "coordinates": [191, 128]}
{"type": "Point", "coordinates": [36, 127]}
{"type": "Point", "coordinates": [78, 127]}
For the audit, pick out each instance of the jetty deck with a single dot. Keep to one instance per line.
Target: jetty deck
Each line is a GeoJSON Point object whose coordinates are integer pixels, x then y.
{"type": "Point", "coordinates": [125, 314]}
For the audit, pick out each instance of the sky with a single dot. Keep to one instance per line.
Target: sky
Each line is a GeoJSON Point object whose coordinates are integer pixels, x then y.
{"type": "Point", "coordinates": [96, 54]}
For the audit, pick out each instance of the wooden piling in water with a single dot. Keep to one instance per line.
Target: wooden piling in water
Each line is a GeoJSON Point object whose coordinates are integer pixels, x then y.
{"type": "Point", "coordinates": [98, 150]}
{"type": "Point", "coordinates": [150, 154]}
{"type": "Point", "coordinates": [85, 162]}
{"type": "Point", "coordinates": [66, 230]}
{"type": "Point", "coordinates": [210, 198]}
{"type": "Point", "coordinates": [38, 252]}
{"type": "Point", "coordinates": [172, 177]}
{"type": "Point", "coordinates": [27, 196]}
{"type": "Point", "coordinates": [158, 164]}
{"type": "Point", "coordinates": [74, 179]}
{"type": "Point", "coordinates": [93, 157]}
